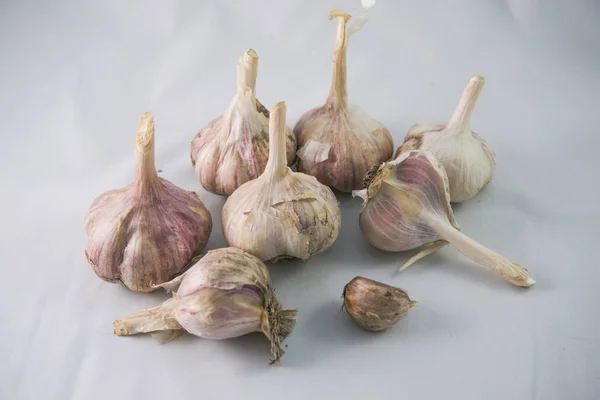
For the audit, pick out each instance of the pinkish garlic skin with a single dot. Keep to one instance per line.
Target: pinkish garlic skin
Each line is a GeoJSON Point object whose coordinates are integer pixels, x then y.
{"type": "Point", "coordinates": [146, 233]}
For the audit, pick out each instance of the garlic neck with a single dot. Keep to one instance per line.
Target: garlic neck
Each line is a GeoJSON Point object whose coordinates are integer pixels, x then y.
{"type": "Point", "coordinates": [246, 73]}
{"type": "Point", "coordinates": [277, 164]}
{"type": "Point", "coordinates": [460, 120]}
{"type": "Point", "coordinates": [145, 170]}
{"type": "Point", "coordinates": [338, 95]}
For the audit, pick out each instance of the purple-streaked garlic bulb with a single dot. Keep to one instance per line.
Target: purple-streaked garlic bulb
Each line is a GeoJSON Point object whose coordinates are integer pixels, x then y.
{"type": "Point", "coordinates": [338, 143]}
{"type": "Point", "coordinates": [234, 148]}
{"type": "Point", "coordinates": [282, 214]}
{"type": "Point", "coordinates": [228, 293]}
{"type": "Point", "coordinates": [468, 161]}
{"type": "Point", "coordinates": [407, 206]}
{"type": "Point", "coordinates": [146, 233]}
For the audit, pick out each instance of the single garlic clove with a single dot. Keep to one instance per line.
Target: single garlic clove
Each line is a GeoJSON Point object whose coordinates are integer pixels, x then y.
{"type": "Point", "coordinates": [373, 305]}
{"type": "Point", "coordinates": [468, 161]}
{"type": "Point", "coordinates": [234, 148]}
{"type": "Point", "coordinates": [282, 214]}
{"type": "Point", "coordinates": [228, 293]}
{"type": "Point", "coordinates": [406, 206]}
{"type": "Point", "coordinates": [338, 143]}
{"type": "Point", "coordinates": [146, 233]}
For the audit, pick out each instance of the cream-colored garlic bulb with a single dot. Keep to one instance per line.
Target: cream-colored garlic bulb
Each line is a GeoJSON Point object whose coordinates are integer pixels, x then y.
{"type": "Point", "coordinates": [281, 214]}
{"type": "Point", "coordinates": [465, 156]}
{"type": "Point", "coordinates": [338, 143]}
{"type": "Point", "coordinates": [234, 148]}
{"type": "Point", "coordinates": [147, 232]}
{"type": "Point", "coordinates": [407, 206]}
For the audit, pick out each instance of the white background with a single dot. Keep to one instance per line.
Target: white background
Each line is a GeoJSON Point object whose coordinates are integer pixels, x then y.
{"type": "Point", "coordinates": [75, 77]}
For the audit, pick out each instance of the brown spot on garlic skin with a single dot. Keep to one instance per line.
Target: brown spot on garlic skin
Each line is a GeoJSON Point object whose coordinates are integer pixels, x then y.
{"type": "Point", "coordinates": [262, 109]}
{"type": "Point", "coordinates": [373, 305]}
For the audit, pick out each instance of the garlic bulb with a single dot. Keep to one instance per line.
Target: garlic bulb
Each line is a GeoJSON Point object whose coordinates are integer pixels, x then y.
{"type": "Point", "coordinates": [147, 232]}
{"type": "Point", "coordinates": [468, 161]}
{"type": "Point", "coordinates": [338, 143]}
{"type": "Point", "coordinates": [373, 305]}
{"type": "Point", "coordinates": [234, 148]}
{"type": "Point", "coordinates": [281, 214]}
{"type": "Point", "coordinates": [406, 206]}
{"type": "Point", "coordinates": [228, 293]}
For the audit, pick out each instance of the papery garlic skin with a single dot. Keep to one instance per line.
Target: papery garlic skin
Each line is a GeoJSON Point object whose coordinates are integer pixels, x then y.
{"type": "Point", "coordinates": [228, 293]}
{"type": "Point", "coordinates": [145, 233]}
{"type": "Point", "coordinates": [234, 148]}
{"type": "Point", "coordinates": [373, 305]}
{"type": "Point", "coordinates": [467, 160]}
{"type": "Point", "coordinates": [338, 143]}
{"type": "Point", "coordinates": [282, 214]}
{"type": "Point", "coordinates": [407, 206]}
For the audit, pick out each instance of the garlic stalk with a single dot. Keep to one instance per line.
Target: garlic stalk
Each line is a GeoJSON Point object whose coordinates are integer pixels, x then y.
{"type": "Point", "coordinates": [338, 143]}
{"type": "Point", "coordinates": [407, 206]}
{"type": "Point", "coordinates": [375, 306]}
{"type": "Point", "coordinates": [147, 232]}
{"type": "Point", "coordinates": [282, 214]}
{"type": "Point", "coordinates": [228, 293]}
{"type": "Point", "coordinates": [234, 148]}
{"type": "Point", "coordinates": [468, 161]}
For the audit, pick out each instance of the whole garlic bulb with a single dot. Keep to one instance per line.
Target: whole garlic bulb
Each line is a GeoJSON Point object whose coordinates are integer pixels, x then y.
{"type": "Point", "coordinates": [147, 232]}
{"type": "Point", "coordinates": [338, 143]}
{"type": "Point", "coordinates": [234, 148]}
{"type": "Point", "coordinates": [281, 214]}
{"type": "Point", "coordinates": [407, 206]}
{"type": "Point", "coordinates": [468, 161]}
{"type": "Point", "coordinates": [228, 293]}
{"type": "Point", "coordinates": [373, 305]}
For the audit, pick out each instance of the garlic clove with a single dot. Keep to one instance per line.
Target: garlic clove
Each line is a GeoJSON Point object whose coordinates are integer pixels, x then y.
{"type": "Point", "coordinates": [338, 143]}
{"type": "Point", "coordinates": [228, 293]}
{"type": "Point", "coordinates": [282, 214]}
{"type": "Point", "coordinates": [406, 206]}
{"type": "Point", "coordinates": [468, 161]}
{"type": "Point", "coordinates": [234, 148]}
{"type": "Point", "coordinates": [147, 232]}
{"type": "Point", "coordinates": [373, 305]}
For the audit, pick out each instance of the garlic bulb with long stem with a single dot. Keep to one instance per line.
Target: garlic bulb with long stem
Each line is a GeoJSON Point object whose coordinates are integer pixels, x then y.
{"type": "Point", "coordinates": [407, 206]}
{"type": "Point", "coordinates": [468, 161]}
{"type": "Point", "coordinates": [147, 232]}
{"type": "Point", "coordinates": [282, 214]}
{"type": "Point", "coordinates": [228, 293]}
{"type": "Point", "coordinates": [234, 148]}
{"type": "Point", "coordinates": [338, 143]}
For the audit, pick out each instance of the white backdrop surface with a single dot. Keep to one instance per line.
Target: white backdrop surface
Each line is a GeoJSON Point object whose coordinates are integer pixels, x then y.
{"type": "Point", "coordinates": [75, 78]}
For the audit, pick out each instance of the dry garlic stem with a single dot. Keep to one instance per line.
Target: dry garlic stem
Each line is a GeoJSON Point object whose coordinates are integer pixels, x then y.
{"type": "Point", "coordinates": [466, 158]}
{"type": "Point", "coordinates": [228, 293]}
{"type": "Point", "coordinates": [338, 143]}
{"type": "Point", "coordinates": [147, 232]}
{"type": "Point", "coordinates": [281, 214]}
{"type": "Point", "coordinates": [406, 206]}
{"type": "Point", "coordinates": [234, 148]}
{"type": "Point", "coordinates": [373, 305]}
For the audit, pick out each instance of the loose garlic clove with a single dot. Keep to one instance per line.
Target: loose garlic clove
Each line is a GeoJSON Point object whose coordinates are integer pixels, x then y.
{"type": "Point", "coordinates": [281, 214]}
{"type": "Point", "coordinates": [338, 143]}
{"type": "Point", "coordinates": [407, 206]}
{"type": "Point", "coordinates": [228, 293]}
{"type": "Point", "coordinates": [468, 161]}
{"type": "Point", "coordinates": [147, 232]}
{"type": "Point", "coordinates": [373, 305]}
{"type": "Point", "coordinates": [234, 148]}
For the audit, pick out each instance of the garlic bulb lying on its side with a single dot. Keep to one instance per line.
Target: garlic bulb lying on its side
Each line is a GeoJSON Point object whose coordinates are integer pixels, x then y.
{"type": "Point", "coordinates": [466, 158]}
{"type": "Point", "coordinates": [228, 293]}
{"type": "Point", "coordinates": [281, 214]}
{"type": "Point", "coordinates": [338, 143]}
{"type": "Point", "coordinates": [147, 232]}
{"type": "Point", "coordinates": [407, 206]}
{"type": "Point", "coordinates": [234, 148]}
